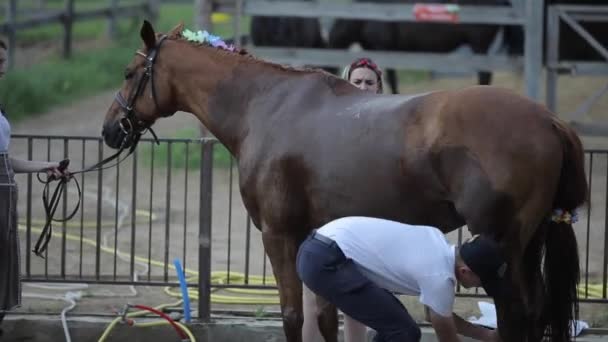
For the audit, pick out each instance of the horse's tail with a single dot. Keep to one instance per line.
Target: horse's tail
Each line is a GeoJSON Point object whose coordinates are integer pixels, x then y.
{"type": "Point", "coordinates": [561, 267]}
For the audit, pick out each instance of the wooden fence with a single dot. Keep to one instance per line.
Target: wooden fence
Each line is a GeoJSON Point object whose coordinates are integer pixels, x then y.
{"type": "Point", "coordinates": [525, 13]}
{"type": "Point", "coordinates": [67, 16]}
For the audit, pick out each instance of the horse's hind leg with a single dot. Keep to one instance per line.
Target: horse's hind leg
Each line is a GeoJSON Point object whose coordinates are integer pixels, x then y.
{"type": "Point", "coordinates": [520, 309]}
{"type": "Point", "coordinates": [282, 249]}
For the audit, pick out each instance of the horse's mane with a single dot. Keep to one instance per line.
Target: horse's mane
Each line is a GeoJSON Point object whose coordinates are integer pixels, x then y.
{"type": "Point", "coordinates": [249, 57]}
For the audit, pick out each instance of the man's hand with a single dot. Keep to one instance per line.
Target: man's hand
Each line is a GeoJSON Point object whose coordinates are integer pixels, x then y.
{"type": "Point", "coordinates": [445, 327]}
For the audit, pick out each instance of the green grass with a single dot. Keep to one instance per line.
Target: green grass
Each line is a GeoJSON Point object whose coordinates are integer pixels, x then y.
{"type": "Point", "coordinates": [182, 155]}
{"type": "Point", "coordinates": [34, 90]}
{"type": "Point", "coordinates": [26, 92]}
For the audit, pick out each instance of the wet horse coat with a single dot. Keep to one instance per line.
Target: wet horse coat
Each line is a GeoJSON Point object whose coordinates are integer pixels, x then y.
{"type": "Point", "coordinates": [311, 148]}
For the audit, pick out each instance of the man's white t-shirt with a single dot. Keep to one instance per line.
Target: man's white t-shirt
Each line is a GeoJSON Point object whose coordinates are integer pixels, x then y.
{"type": "Point", "coordinates": [406, 259]}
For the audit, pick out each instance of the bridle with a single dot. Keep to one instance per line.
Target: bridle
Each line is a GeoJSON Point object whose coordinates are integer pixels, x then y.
{"type": "Point", "coordinates": [133, 128]}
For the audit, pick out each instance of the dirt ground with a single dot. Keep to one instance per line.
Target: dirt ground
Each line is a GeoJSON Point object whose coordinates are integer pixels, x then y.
{"type": "Point", "coordinates": [175, 211]}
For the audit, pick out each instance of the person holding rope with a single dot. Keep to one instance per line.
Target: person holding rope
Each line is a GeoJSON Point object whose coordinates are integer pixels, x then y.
{"type": "Point", "coordinates": [357, 263]}
{"type": "Point", "coordinates": [10, 287]}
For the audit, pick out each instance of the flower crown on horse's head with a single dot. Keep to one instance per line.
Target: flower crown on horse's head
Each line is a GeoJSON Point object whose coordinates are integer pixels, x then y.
{"type": "Point", "coordinates": [204, 37]}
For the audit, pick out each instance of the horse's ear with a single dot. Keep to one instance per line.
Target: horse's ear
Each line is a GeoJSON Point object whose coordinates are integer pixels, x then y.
{"type": "Point", "coordinates": [177, 30]}
{"type": "Point", "coordinates": [148, 35]}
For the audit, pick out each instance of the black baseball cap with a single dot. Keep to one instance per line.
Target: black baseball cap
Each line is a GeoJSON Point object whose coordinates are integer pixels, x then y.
{"type": "Point", "coordinates": [483, 256]}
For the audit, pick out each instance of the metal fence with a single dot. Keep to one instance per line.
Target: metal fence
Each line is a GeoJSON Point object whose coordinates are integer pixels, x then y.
{"type": "Point", "coordinates": [180, 200]}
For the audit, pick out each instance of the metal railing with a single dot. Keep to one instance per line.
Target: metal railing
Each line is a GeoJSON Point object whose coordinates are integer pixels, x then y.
{"type": "Point", "coordinates": [135, 218]}
{"type": "Point", "coordinates": [162, 203]}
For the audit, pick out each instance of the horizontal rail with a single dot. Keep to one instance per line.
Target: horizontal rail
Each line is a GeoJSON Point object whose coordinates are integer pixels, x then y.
{"type": "Point", "coordinates": [58, 16]}
{"type": "Point", "coordinates": [491, 15]}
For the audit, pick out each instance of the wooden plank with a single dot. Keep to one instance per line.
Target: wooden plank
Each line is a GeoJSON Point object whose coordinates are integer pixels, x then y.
{"type": "Point", "coordinates": [372, 11]}
{"type": "Point", "coordinates": [121, 12]}
{"type": "Point", "coordinates": [552, 52]}
{"type": "Point", "coordinates": [83, 15]}
{"type": "Point", "coordinates": [51, 18]}
{"type": "Point", "coordinates": [533, 47]}
{"type": "Point", "coordinates": [202, 15]}
{"type": "Point", "coordinates": [580, 68]}
{"type": "Point", "coordinates": [10, 31]}
{"type": "Point", "coordinates": [112, 22]}
{"type": "Point", "coordinates": [389, 59]}
{"type": "Point", "coordinates": [582, 8]}
{"type": "Point", "coordinates": [67, 20]}
{"type": "Point", "coordinates": [597, 129]}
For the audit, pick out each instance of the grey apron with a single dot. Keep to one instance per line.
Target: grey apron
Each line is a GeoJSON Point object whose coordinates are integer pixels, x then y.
{"type": "Point", "coordinates": [10, 285]}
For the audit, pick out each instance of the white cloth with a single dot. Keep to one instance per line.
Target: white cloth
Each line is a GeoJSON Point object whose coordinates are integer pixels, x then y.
{"type": "Point", "coordinates": [406, 259]}
{"type": "Point", "coordinates": [5, 133]}
{"type": "Point", "coordinates": [488, 319]}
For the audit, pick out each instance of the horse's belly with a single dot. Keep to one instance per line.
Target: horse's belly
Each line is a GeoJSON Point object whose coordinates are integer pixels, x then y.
{"type": "Point", "coordinates": [412, 207]}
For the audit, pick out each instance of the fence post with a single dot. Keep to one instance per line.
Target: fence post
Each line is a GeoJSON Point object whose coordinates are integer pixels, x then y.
{"type": "Point", "coordinates": [204, 238]}
{"type": "Point", "coordinates": [153, 9]}
{"type": "Point", "coordinates": [202, 21]}
{"type": "Point", "coordinates": [112, 22]}
{"type": "Point", "coordinates": [68, 18]}
{"type": "Point", "coordinates": [202, 15]}
{"type": "Point", "coordinates": [236, 20]}
{"type": "Point", "coordinates": [12, 35]}
{"type": "Point", "coordinates": [533, 48]}
{"type": "Point", "coordinates": [552, 57]}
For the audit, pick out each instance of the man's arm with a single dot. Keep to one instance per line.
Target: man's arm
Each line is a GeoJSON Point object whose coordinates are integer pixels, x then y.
{"type": "Point", "coordinates": [471, 330]}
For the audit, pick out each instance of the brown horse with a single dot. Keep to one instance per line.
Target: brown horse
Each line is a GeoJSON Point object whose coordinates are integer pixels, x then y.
{"type": "Point", "coordinates": [311, 148]}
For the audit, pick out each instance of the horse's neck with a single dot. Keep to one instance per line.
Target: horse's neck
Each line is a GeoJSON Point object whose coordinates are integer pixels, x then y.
{"type": "Point", "coordinates": [229, 104]}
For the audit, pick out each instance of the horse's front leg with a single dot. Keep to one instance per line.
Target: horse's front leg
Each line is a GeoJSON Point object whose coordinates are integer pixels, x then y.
{"type": "Point", "coordinates": [282, 249]}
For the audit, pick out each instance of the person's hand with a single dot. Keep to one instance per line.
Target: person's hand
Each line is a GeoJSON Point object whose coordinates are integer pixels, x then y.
{"type": "Point", "coordinates": [492, 336]}
{"type": "Point", "coordinates": [58, 170]}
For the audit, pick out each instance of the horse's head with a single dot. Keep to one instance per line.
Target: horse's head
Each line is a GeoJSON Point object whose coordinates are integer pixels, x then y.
{"type": "Point", "coordinates": [145, 94]}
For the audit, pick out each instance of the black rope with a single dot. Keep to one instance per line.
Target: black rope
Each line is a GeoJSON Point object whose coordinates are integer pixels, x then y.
{"type": "Point", "coordinates": [50, 205]}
